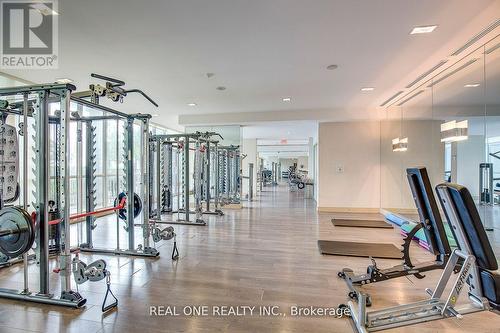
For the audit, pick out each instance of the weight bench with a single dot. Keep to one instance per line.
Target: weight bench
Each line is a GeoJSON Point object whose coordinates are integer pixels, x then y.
{"type": "Point", "coordinates": [433, 227]}
{"type": "Point", "coordinates": [476, 272]}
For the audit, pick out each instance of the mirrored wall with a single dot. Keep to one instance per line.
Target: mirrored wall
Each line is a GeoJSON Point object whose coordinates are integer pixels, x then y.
{"type": "Point", "coordinates": [451, 125]}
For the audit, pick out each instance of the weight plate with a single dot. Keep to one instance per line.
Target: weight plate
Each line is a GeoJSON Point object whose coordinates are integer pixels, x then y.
{"type": "Point", "coordinates": [122, 213]}
{"type": "Point", "coordinates": [23, 236]}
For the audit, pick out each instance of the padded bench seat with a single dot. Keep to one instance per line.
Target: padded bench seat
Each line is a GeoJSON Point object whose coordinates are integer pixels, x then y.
{"type": "Point", "coordinates": [477, 239]}
{"type": "Point", "coordinates": [491, 287]}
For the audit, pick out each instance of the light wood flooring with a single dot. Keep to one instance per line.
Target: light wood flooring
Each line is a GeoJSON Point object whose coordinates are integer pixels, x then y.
{"type": "Point", "coordinates": [263, 254]}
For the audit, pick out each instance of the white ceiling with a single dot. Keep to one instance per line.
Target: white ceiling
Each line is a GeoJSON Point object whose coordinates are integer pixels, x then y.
{"type": "Point", "coordinates": [261, 50]}
{"type": "Point", "coordinates": [281, 130]}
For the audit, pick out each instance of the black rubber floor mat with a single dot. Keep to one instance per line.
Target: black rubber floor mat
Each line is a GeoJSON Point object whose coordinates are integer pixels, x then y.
{"type": "Point", "coordinates": [361, 223]}
{"type": "Point", "coordinates": [355, 249]}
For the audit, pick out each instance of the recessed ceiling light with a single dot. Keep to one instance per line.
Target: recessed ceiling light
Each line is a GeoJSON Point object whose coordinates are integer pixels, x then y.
{"type": "Point", "coordinates": [332, 67]}
{"type": "Point", "coordinates": [221, 88]}
{"type": "Point", "coordinates": [367, 89]}
{"type": "Point", "coordinates": [64, 81]}
{"type": "Point", "coordinates": [287, 99]}
{"type": "Point", "coordinates": [472, 85]}
{"type": "Point", "coordinates": [191, 104]}
{"type": "Point", "coordinates": [425, 29]}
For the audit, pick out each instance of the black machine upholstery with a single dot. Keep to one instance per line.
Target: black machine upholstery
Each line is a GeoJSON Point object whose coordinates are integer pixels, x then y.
{"type": "Point", "coordinates": [470, 220]}
{"type": "Point", "coordinates": [491, 287]}
{"type": "Point", "coordinates": [428, 210]}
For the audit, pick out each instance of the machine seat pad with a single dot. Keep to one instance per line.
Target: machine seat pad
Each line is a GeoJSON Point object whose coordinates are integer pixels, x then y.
{"type": "Point", "coordinates": [491, 287]}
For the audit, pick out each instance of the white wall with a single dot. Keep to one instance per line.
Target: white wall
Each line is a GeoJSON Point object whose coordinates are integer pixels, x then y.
{"type": "Point", "coordinates": [354, 148]}
{"type": "Point", "coordinates": [249, 148]}
{"type": "Point", "coordinates": [424, 149]}
{"type": "Point", "coordinates": [303, 163]}
{"type": "Point", "coordinates": [469, 154]}
{"type": "Point", "coordinates": [358, 171]}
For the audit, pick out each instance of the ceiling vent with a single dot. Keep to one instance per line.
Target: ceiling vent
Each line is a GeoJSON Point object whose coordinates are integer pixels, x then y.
{"type": "Point", "coordinates": [468, 63]}
{"type": "Point", "coordinates": [493, 48]}
{"type": "Point", "coordinates": [391, 98]}
{"type": "Point", "coordinates": [477, 37]}
{"type": "Point", "coordinates": [412, 96]}
{"type": "Point", "coordinates": [441, 63]}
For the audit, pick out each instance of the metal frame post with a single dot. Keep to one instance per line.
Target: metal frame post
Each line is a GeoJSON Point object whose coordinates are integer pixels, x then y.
{"type": "Point", "coordinates": [129, 170]}
{"type": "Point", "coordinates": [207, 177]}
{"type": "Point", "coordinates": [89, 184]}
{"type": "Point", "coordinates": [250, 181]}
{"type": "Point", "coordinates": [25, 182]}
{"type": "Point", "coordinates": [64, 192]}
{"type": "Point", "coordinates": [159, 178]}
{"type": "Point", "coordinates": [42, 190]}
{"type": "Point", "coordinates": [145, 181]}
{"type": "Point", "coordinates": [168, 165]}
{"type": "Point", "coordinates": [217, 176]}
{"type": "Point", "coordinates": [186, 178]}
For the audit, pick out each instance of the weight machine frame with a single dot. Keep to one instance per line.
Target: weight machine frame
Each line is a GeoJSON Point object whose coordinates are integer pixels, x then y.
{"type": "Point", "coordinates": [157, 143]}
{"type": "Point", "coordinates": [229, 160]}
{"type": "Point", "coordinates": [144, 250]}
{"type": "Point", "coordinates": [40, 113]}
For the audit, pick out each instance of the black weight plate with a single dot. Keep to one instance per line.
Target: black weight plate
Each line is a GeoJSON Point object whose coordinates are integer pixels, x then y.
{"type": "Point", "coordinates": [122, 213]}
{"type": "Point", "coordinates": [16, 219]}
{"type": "Point", "coordinates": [137, 205]}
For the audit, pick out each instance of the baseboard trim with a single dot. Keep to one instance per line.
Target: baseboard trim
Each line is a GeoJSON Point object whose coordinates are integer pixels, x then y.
{"type": "Point", "coordinates": [348, 210]}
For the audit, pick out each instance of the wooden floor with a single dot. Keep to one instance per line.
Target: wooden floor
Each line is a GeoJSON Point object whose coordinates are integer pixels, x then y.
{"type": "Point", "coordinates": [265, 254]}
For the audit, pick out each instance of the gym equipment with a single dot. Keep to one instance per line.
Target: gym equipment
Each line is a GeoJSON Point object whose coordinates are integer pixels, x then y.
{"type": "Point", "coordinates": [17, 233]}
{"type": "Point", "coordinates": [9, 162]}
{"type": "Point", "coordinates": [166, 234]}
{"type": "Point", "coordinates": [486, 180]}
{"type": "Point", "coordinates": [163, 234]}
{"type": "Point", "coordinates": [297, 178]}
{"type": "Point", "coordinates": [166, 168]}
{"type": "Point", "coordinates": [122, 212]}
{"type": "Point", "coordinates": [210, 173]}
{"type": "Point", "coordinates": [95, 271]}
{"type": "Point", "coordinates": [134, 126]}
{"type": "Point", "coordinates": [476, 272]}
{"type": "Point", "coordinates": [170, 177]}
{"type": "Point", "coordinates": [430, 223]}
{"type": "Point", "coordinates": [355, 249]}
{"type": "Point", "coordinates": [361, 223]}
{"type": "Point", "coordinates": [229, 174]}
{"type": "Point", "coordinates": [35, 104]}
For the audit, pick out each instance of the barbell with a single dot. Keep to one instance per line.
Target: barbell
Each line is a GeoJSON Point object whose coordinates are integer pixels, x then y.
{"type": "Point", "coordinates": [17, 230]}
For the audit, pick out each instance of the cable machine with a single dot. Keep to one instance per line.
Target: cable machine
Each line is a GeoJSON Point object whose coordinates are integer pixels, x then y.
{"type": "Point", "coordinates": [128, 186]}
{"type": "Point", "coordinates": [229, 174]}
{"type": "Point", "coordinates": [19, 230]}
{"type": "Point", "coordinates": [174, 158]}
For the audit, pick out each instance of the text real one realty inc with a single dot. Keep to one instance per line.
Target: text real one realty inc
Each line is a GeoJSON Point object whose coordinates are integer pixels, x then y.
{"type": "Point", "coordinates": [243, 310]}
